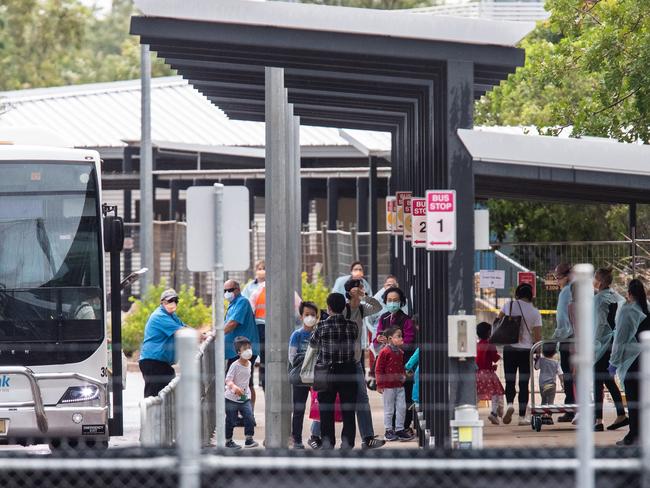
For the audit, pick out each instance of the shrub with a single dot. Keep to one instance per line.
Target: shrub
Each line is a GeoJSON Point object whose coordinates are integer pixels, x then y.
{"type": "Point", "coordinates": [316, 291]}
{"type": "Point", "coordinates": [191, 310]}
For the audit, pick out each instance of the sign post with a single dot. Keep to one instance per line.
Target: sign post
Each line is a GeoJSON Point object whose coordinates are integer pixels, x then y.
{"type": "Point", "coordinates": [390, 213]}
{"type": "Point", "coordinates": [418, 222]}
{"type": "Point", "coordinates": [407, 219]}
{"type": "Point", "coordinates": [441, 220]}
{"type": "Point", "coordinates": [206, 220]}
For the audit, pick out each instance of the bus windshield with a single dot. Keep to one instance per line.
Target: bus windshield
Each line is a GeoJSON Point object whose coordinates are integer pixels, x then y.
{"type": "Point", "coordinates": [50, 253]}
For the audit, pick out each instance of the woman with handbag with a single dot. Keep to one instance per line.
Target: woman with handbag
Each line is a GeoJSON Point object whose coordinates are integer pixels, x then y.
{"type": "Point", "coordinates": [516, 356]}
{"type": "Point", "coordinates": [335, 371]}
{"type": "Point", "coordinates": [297, 348]}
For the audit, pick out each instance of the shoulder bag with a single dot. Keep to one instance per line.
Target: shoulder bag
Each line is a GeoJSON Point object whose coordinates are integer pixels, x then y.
{"type": "Point", "coordinates": [505, 331]}
{"type": "Point", "coordinates": [322, 377]}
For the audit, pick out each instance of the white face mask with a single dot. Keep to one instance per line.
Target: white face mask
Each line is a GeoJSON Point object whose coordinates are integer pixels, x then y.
{"type": "Point", "coordinates": [246, 354]}
{"type": "Point", "coordinates": [229, 295]}
{"type": "Point", "coordinates": [309, 321]}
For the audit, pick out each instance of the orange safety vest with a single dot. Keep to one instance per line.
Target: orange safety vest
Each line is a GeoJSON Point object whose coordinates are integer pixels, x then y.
{"type": "Point", "coordinates": [260, 305]}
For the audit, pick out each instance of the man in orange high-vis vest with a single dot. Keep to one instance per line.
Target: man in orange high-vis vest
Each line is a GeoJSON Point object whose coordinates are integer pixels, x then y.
{"type": "Point", "coordinates": [258, 302]}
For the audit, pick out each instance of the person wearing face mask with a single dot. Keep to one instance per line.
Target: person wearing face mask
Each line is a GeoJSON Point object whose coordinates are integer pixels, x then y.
{"type": "Point", "coordinates": [395, 300]}
{"type": "Point", "coordinates": [632, 320]}
{"type": "Point", "coordinates": [356, 273]}
{"type": "Point", "coordinates": [157, 353]}
{"type": "Point", "coordinates": [563, 331]}
{"type": "Point", "coordinates": [238, 394]}
{"type": "Point", "coordinates": [260, 279]}
{"type": "Point", "coordinates": [297, 348]}
{"type": "Point", "coordinates": [239, 321]}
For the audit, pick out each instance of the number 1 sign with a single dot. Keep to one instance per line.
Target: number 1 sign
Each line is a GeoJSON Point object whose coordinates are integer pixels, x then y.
{"type": "Point", "coordinates": [441, 220]}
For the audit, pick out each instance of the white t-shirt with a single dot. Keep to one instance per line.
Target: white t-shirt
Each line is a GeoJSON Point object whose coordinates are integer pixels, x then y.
{"type": "Point", "coordinates": [531, 317]}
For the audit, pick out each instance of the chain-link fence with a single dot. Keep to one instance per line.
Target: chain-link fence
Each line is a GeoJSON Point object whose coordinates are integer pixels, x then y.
{"type": "Point", "coordinates": [327, 253]}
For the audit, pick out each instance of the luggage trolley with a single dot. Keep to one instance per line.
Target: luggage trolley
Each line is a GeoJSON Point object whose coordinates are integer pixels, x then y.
{"type": "Point", "coordinates": [536, 411]}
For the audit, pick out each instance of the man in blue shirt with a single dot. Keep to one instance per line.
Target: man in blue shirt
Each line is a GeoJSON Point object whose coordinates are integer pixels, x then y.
{"type": "Point", "coordinates": [157, 352]}
{"type": "Point", "coordinates": [239, 321]}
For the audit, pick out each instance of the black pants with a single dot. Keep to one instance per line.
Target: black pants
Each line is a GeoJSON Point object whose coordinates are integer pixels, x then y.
{"type": "Point", "coordinates": [344, 382]}
{"type": "Point", "coordinates": [300, 394]}
{"type": "Point", "coordinates": [567, 370]}
{"type": "Point", "coordinates": [631, 384]}
{"type": "Point", "coordinates": [156, 374]}
{"type": "Point", "coordinates": [602, 378]}
{"type": "Point", "coordinates": [517, 360]}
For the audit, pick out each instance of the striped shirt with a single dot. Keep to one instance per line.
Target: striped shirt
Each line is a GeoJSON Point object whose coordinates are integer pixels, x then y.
{"type": "Point", "coordinates": [336, 337]}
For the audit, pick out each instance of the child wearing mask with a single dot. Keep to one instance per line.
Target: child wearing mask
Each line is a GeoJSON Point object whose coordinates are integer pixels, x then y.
{"type": "Point", "coordinates": [297, 347]}
{"type": "Point", "coordinates": [488, 386]}
{"type": "Point", "coordinates": [238, 394]}
{"type": "Point", "coordinates": [391, 375]}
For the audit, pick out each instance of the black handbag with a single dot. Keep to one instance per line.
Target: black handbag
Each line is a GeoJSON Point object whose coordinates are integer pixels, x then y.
{"type": "Point", "coordinates": [322, 377]}
{"type": "Point", "coordinates": [507, 329]}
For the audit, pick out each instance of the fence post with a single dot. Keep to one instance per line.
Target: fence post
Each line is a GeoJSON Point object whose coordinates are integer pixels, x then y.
{"type": "Point", "coordinates": [324, 247]}
{"type": "Point", "coordinates": [188, 412]}
{"type": "Point", "coordinates": [644, 408]}
{"type": "Point", "coordinates": [584, 274]}
{"type": "Point", "coordinates": [354, 244]}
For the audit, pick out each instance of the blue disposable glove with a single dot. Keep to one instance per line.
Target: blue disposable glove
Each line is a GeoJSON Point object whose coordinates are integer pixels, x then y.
{"type": "Point", "coordinates": [612, 370]}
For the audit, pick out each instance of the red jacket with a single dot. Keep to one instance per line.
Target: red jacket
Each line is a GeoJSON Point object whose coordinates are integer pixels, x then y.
{"type": "Point", "coordinates": [389, 368]}
{"type": "Point", "coordinates": [486, 355]}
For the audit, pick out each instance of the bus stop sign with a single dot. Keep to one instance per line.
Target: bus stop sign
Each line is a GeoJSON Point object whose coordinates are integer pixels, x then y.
{"type": "Point", "coordinates": [441, 220]}
{"type": "Point", "coordinates": [201, 222]}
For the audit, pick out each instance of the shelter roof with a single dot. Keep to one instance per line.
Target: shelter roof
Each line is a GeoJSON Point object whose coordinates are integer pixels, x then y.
{"type": "Point", "coordinates": [107, 115]}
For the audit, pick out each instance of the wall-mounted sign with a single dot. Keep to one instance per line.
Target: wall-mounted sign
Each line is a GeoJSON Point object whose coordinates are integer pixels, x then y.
{"type": "Point", "coordinates": [418, 222]}
{"type": "Point", "coordinates": [492, 278]}
{"type": "Point", "coordinates": [441, 220]}
{"type": "Point", "coordinates": [528, 277]}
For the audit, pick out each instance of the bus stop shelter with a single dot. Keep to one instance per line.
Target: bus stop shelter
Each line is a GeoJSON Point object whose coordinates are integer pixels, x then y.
{"type": "Point", "coordinates": [414, 76]}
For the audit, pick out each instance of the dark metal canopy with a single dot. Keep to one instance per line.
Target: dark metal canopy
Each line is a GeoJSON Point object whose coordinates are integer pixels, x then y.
{"type": "Point", "coordinates": [414, 75]}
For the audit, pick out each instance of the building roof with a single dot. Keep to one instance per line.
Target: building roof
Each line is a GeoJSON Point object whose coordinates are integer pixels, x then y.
{"type": "Point", "coordinates": [341, 20]}
{"type": "Point", "coordinates": [107, 115]}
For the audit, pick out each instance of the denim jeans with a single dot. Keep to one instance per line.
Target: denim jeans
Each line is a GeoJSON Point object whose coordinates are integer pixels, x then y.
{"type": "Point", "coordinates": [232, 409]}
{"type": "Point", "coordinates": [364, 415]}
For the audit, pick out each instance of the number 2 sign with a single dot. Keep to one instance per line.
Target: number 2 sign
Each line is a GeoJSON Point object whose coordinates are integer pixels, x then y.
{"type": "Point", "coordinates": [441, 220]}
{"type": "Point", "coordinates": [419, 222]}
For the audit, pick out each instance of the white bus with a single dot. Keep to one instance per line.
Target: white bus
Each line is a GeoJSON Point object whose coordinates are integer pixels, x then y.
{"type": "Point", "coordinates": [54, 377]}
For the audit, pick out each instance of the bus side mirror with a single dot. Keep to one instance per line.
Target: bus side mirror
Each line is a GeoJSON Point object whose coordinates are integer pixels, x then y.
{"type": "Point", "coordinates": [113, 234]}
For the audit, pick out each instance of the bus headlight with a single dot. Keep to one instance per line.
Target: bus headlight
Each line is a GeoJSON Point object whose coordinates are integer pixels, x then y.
{"type": "Point", "coordinates": [83, 393]}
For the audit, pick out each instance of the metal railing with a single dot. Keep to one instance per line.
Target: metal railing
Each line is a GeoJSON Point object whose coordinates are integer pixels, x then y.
{"type": "Point", "coordinates": [158, 418]}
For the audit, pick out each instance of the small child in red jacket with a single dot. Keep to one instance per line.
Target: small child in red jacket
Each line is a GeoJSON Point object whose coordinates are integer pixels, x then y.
{"type": "Point", "coordinates": [391, 375]}
{"type": "Point", "coordinates": [488, 385]}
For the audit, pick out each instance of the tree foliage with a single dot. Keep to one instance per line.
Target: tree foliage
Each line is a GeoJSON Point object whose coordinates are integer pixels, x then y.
{"type": "Point", "coordinates": [585, 72]}
{"type": "Point", "coordinates": [61, 42]}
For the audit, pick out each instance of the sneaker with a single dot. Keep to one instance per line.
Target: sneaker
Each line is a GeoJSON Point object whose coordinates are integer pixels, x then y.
{"type": "Point", "coordinates": [507, 418]}
{"type": "Point", "coordinates": [298, 445]}
{"type": "Point", "coordinates": [567, 417]}
{"type": "Point", "coordinates": [372, 443]}
{"type": "Point", "coordinates": [493, 419]}
{"type": "Point", "coordinates": [250, 443]}
{"type": "Point", "coordinates": [404, 436]}
{"type": "Point", "coordinates": [230, 444]}
{"type": "Point", "coordinates": [599, 428]}
{"type": "Point", "coordinates": [411, 431]}
{"type": "Point", "coordinates": [523, 421]}
{"type": "Point", "coordinates": [547, 420]}
{"type": "Point", "coordinates": [390, 436]}
{"type": "Point", "coordinates": [627, 441]}
{"type": "Point", "coordinates": [315, 442]}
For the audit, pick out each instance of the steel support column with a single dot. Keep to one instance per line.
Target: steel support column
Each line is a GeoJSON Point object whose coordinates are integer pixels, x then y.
{"type": "Point", "coordinates": [362, 205]}
{"type": "Point", "coordinates": [460, 285]}
{"type": "Point", "coordinates": [280, 262]}
{"type": "Point", "coordinates": [372, 193]}
{"type": "Point", "coordinates": [332, 203]}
